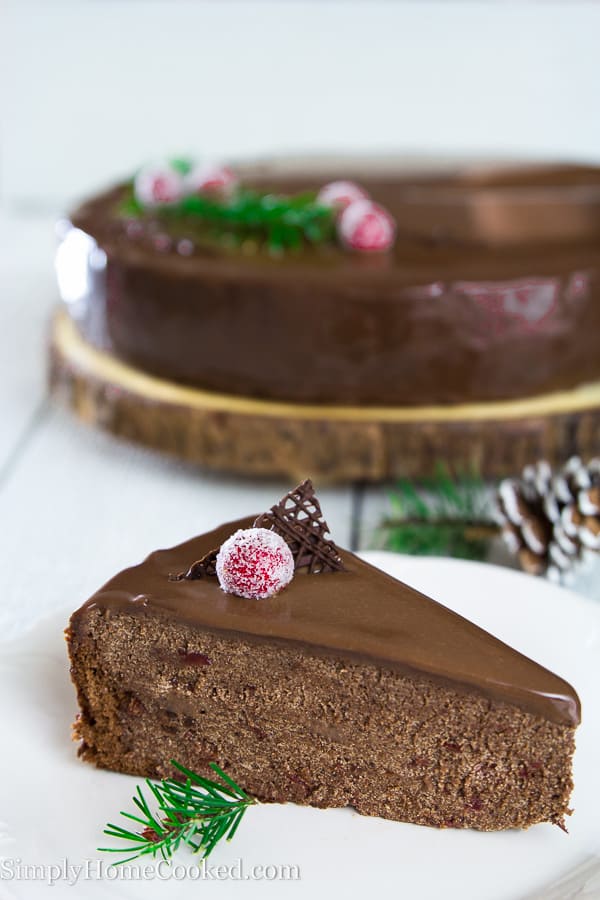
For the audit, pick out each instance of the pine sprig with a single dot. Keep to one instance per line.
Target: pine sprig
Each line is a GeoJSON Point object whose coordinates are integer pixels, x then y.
{"type": "Point", "coordinates": [280, 222]}
{"type": "Point", "coordinates": [444, 516]}
{"type": "Point", "coordinates": [195, 811]}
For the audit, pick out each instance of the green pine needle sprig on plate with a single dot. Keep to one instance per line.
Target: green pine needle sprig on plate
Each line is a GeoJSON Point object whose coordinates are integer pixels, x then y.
{"type": "Point", "coordinates": [194, 811]}
{"type": "Point", "coordinates": [444, 515]}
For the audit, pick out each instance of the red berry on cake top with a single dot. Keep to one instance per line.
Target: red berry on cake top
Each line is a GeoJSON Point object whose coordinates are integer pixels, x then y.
{"type": "Point", "coordinates": [158, 184]}
{"type": "Point", "coordinates": [211, 178]}
{"type": "Point", "coordinates": [254, 563]}
{"type": "Point", "coordinates": [341, 194]}
{"type": "Point", "coordinates": [366, 226]}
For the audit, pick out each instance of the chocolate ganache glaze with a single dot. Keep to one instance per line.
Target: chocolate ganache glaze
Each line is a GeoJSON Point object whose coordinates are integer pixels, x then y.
{"type": "Point", "coordinates": [491, 291]}
{"type": "Point", "coordinates": [357, 613]}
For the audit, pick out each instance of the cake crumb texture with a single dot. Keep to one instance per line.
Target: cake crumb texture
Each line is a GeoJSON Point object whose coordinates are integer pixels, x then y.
{"type": "Point", "coordinates": [290, 724]}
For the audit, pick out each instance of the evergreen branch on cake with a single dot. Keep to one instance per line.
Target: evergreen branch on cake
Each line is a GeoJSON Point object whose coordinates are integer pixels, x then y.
{"type": "Point", "coordinates": [442, 516]}
{"type": "Point", "coordinates": [279, 222]}
{"type": "Point", "coordinates": [195, 811]}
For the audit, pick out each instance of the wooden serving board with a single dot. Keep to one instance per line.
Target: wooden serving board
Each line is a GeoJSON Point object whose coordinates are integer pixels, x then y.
{"type": "Point", "coordinates": [329, 443]}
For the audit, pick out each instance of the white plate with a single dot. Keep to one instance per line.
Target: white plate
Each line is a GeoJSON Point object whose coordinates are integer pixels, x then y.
{"type": "Point", "coordinates": [53, 806]}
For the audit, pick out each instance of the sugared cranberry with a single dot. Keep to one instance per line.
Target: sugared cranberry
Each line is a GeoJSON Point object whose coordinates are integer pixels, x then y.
{"type": "Point", "coordinates": [366, 227]}
{"type": "Point", "coordinates": [341, 194]}
{"type": "Point", "coordinates": [158, 184]}
{"type": "Point", "coordinates": [211, 178]}
{"type": "Point", "coordinates": [254, 563]}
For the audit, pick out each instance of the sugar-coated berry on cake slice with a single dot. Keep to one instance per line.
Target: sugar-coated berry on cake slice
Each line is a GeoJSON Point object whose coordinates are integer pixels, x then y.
{"type": "Point", "coordinates": [321, 680]}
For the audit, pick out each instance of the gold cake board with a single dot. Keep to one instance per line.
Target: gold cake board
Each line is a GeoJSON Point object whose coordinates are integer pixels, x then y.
{"type": "Point", "coordinates": [330, 443]}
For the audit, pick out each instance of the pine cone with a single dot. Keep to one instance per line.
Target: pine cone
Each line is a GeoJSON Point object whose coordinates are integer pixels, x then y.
{"type": "Point", "coordinates": [551, 521]}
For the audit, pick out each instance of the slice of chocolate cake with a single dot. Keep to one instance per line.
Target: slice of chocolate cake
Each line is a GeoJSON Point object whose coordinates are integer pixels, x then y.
{"type": "Point", "coordinates": [321, 680]}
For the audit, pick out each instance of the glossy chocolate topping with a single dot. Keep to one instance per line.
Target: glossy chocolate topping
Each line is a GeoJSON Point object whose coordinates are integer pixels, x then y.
{"type": "Point", "coordinates": [492, 291]}
{"type": "Point", "coordinates": [358, 613]}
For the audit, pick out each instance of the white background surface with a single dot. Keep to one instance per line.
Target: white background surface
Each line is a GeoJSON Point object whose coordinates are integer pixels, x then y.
{"type": "Point", "coordinates": [94, 87]}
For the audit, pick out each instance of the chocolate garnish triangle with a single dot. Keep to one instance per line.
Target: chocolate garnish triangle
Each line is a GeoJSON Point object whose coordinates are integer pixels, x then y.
{"type": "Point", "coordinates": [298, 519]}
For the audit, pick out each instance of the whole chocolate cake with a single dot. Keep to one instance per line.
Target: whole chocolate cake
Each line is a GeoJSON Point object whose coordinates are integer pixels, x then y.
{"type": "Point", "coordinates": [401, 287]}
{"type": "Point", "coordinates": [311, 676]}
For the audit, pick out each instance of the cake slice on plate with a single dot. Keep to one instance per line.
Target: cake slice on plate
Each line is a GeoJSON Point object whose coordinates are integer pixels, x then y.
{"type": "Point", "coordinates": [313, 677]}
